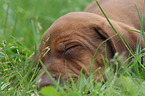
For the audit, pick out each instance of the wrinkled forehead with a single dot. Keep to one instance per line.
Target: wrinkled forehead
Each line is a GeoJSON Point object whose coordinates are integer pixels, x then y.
{"type": "Point", "coordinates": [69, 25]}
{"type": "Point", "coordinates": [66, 23]}
{"type": "Point", "coordinates": [74, 21]}
{"type": "Point", "coordinates": [62, 32]}
{"type": "Point", "coordinates": [66, 27]}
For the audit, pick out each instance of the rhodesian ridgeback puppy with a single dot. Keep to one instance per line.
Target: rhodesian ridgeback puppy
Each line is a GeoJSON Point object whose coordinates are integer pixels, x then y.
{"type": "Point", "coordinates": [74, 37]}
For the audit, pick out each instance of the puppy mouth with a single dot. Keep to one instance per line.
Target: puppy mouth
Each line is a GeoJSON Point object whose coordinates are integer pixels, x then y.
{"type": "Point", "coordinates": [44, 82]}
{"type": "Point", "coordinates": [58, 79]}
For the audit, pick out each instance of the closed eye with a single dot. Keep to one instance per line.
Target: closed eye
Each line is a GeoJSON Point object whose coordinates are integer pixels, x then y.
{"type": "Point", "coordinates": [71, 47]}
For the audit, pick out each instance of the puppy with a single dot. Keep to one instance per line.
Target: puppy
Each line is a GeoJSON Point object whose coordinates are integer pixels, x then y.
{"type": "Point", "coordinates": [74, 38]}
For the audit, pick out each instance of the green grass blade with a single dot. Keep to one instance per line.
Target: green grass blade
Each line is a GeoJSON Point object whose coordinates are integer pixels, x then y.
{"type": "Point", "coordinates": [142, 31]}
{"type": "Point", "coordinates": [5, 23]}
{"type": "Point", "coordinates": [35, 37]}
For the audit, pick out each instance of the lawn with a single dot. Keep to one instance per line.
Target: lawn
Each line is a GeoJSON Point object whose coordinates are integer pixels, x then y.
{"type": "Point", "coordinates": [22, 24]}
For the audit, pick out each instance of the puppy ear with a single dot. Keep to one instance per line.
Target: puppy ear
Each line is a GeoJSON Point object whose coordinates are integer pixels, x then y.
{"type": "Point", "coordinates": [130, 37]}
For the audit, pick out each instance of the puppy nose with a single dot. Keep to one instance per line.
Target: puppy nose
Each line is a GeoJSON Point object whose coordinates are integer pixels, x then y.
{"type": "Point", "coordinates": [45, 82]}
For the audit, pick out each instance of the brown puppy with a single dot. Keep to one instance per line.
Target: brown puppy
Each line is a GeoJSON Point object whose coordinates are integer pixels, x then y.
{"type": "Point", "coordinates": [75, 37]}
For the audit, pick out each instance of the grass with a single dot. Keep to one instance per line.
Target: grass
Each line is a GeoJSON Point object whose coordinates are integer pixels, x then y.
{"type": "Point", "coordinates": [22, 23]}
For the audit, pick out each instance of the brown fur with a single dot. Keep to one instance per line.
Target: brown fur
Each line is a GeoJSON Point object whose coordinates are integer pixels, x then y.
{"type": "Point", "coordinates": [74, 38]}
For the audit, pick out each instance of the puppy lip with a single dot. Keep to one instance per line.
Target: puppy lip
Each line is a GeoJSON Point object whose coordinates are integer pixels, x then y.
{"type": "Point", "coordinates": [44, 82]}
{"type": "Point", "coordinates": [38, 81]}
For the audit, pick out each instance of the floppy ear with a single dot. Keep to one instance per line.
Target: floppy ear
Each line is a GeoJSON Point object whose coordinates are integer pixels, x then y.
{"type": "Point", "coordinates": [130, 37]}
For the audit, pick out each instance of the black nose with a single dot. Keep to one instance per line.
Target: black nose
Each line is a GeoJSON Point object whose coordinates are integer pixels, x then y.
{"type": "Point", "coordinates": [45, 82]}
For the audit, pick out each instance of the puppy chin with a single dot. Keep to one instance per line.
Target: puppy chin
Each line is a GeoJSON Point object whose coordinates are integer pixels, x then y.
{"type": "Point", "coordinates": [44, 82]}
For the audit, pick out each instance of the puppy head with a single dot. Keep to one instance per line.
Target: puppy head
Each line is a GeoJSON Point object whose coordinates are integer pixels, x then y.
{"type": "Point", "coordinates": [72, 40]}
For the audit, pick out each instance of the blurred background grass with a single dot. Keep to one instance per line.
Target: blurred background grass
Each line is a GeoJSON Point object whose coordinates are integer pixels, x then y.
{"type": "Point", "coordinates": [16, 17]}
